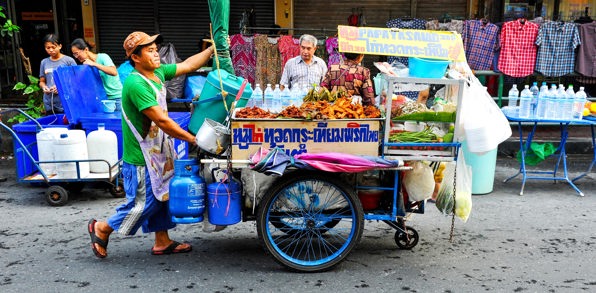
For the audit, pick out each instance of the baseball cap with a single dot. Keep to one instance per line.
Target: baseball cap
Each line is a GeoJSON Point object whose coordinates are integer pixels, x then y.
{"type": "Point", "coordinates": [136, 39]}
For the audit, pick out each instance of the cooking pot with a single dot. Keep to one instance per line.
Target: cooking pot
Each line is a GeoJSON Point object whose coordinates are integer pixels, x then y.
{"type": "Point", "coordinates": [213, 137]}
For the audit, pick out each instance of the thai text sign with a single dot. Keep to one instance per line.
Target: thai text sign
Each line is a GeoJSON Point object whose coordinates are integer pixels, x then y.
{"type": "Point", "coordinates": [356, 137]}
{"type": "Point", "coordinates": [401, 42]}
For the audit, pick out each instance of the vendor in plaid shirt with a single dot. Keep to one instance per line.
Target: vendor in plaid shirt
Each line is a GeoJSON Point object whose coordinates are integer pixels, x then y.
{"type": "Point", "coordinates": [305, 68]}
{"type": "Point", "coordinates": [351, 77]}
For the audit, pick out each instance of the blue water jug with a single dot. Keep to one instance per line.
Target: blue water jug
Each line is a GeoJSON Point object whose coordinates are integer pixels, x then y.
{"type": "Point", "coordinates": [187, 193]}
{"type": "Point", "coordinates": [224, 202]}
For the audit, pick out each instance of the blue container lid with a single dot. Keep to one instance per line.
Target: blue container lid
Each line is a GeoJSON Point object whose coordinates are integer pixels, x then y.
{"type": "Point", "coordinates": [81, 91]}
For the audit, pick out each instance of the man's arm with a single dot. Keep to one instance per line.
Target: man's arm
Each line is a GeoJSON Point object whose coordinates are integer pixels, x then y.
{"type": "Point", "coordinates": [168, 125]}
{"type": "Point", "coordinates": [194, 62]}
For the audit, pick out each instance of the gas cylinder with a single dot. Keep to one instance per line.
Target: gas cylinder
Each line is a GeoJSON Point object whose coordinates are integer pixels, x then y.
{"type": "Point", "coordinates": [224, 202]}
{"type": "Point", "coordinates": [102, 144]}
{"type": "Point", "coordinates": [187, 193]}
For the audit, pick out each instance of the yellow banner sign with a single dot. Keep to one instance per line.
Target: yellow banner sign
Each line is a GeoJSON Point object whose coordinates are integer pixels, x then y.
{"type": "Point", "coordinates": [401, 42]}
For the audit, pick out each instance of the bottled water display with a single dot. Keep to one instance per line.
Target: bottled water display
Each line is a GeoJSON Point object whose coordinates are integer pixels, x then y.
{"type": "Point", "coordinates": [578, 103]}
{"type": "Point", "coordinates": [551, 102]}
{"type": "Point", "coordinates": [561, 103]}
{"type": "Point", "coordinates": [256, 99]}
{"type": "Point", "coordinates": [268, 98]}
{"type": "Point", "coordinates": [542, 101]}
{"type": "Point", "coordinates": [276, 105]}
{"type": "Point", "coordinates": [513, 96]}
{"type": "Point", "coordinates": [286, 97]}
{"type": "Point", "coordinates": [525, 103]}
{"type": "Point", "coordinates": [569, 101]}
{"type": "Point", "coordinates": [535, 92]}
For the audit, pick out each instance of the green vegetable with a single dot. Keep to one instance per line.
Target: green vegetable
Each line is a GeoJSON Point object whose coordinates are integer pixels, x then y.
{"type": "Point", "coordinates": [448, 137]}
{"type": "Point", "coordinates": [422, 136]}
{"type": "Point", "coordinates": [428, 116]}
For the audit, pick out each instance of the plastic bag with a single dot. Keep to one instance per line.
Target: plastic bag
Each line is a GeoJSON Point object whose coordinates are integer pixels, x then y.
{"type": "Point", "coordinates": [419, 182]}
{"type": "Point", "coordinates": [537, 153]}
{"type": "Point", "coordinates": [175, 86]}
{"type": "Point", "coordinates": [463, 193]}
{"type": "Point", "coordinates": [482, 121]}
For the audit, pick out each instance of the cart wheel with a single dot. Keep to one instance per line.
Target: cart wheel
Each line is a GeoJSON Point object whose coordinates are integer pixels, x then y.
{"type": "Point", "coordinates": [407, 239]}
{"type": "Point", "coordinates": [56, 195]}
{"type": "Point", "coordinates": [117, 191]}
{"type": "Point", "coordinates": [310, 221]}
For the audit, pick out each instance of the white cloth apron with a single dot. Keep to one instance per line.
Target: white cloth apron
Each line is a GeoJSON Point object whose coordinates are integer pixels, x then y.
{"type": "Point", "coordinates": [157, 148]}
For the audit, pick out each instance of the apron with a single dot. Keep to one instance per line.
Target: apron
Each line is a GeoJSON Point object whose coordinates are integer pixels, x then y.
{"type": "Point", "coordinates": [157, 148]}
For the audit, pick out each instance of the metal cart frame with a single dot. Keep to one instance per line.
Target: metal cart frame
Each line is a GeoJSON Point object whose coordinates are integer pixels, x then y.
{"type": "Point", "coordinates": [58, 190]}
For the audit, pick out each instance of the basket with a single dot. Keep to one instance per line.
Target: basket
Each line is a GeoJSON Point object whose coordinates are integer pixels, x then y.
{"type": "Point", "coordinates": [427, 68]}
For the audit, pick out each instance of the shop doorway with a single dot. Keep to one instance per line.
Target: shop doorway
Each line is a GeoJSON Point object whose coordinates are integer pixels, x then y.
{"type": "Point", "coordinates": [39, 18]}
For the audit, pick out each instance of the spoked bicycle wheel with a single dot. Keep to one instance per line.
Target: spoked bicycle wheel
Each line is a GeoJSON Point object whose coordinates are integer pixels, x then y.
{"type": "Point", "coordinates": [310, 221]}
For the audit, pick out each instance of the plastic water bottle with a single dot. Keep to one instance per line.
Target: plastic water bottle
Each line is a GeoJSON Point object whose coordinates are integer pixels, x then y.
{"type": "Point", "coordinates": [535, 92]}
{"type": "Point", "coordinates": [561, 104]}
{"type": "Point", "coordinates": [542, 101]}
{"type": "Point", "coordinates": [578, 103]}
{"type": "Point", "coordinates": [551, 106]}
{"type": "Point", "coordinates": [544, 86]}
{"type": "Point", "coordinates": [268, 98]}
{"type": "Point", "coordinates": [286, 97]}
{"type": "Point", "coordinates": [569, 101]}
{"type": "Point", "coordinates": [513, 96]}
{"type": "Point", "coordinates": [525, 103]}
{"type": "Point", "coordinates": [256, 99]}
{"type": "Point", "coordinates": [276, 106]}
{"type": "Point", "coordinates": [296, 98]}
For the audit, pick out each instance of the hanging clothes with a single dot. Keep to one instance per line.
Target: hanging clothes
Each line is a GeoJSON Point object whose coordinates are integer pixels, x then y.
{"type": "Point", "coordinates": [268, 69]}
{"type": "Point", "coordinates": [335, 56]}
{"type": "Point", "coordinates": [518, 48]}
{"type": "Point", "coordinates": [415, 23]}
{"type": "Point", "coordinates": [586, 56]}
{"type": "Point", "coordinates": [289, 48]}
{"type": "Point", "coordinates": [244, 57]}
{"type": "Point", "coordinates": [556, 48]}
{"type": "Point", "coordinates": [480, 41]}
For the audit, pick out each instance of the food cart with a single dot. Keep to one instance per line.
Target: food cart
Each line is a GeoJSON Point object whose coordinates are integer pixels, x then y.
{"type": "Point", "coordinates": [313, 215]}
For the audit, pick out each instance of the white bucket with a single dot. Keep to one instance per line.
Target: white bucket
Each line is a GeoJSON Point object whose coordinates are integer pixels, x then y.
{"type": "Point", "coordinates": [71, 146]}
{"type": "Point", "coordinates": [45, 148]}
{"type": "Point", "coordinates": [102, 144]}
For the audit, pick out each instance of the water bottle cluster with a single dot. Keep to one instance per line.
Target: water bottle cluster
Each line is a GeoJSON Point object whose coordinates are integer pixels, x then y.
{"type": "Point", "coordinates": [549, 104]}
{"type": "Point", "coordinates": [276, 99]}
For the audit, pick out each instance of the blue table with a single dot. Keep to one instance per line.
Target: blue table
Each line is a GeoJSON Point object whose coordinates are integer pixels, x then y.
{"type": "Point", "coordinates": [592, 119]}
{"type": "Point", "coordinates": [560, 152]}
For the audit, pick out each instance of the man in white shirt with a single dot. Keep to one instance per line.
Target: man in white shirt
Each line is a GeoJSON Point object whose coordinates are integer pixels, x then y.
{"type": "Point", "coordinates": [305, 68]}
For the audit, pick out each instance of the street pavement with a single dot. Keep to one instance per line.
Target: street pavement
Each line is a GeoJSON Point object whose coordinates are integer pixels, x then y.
{"type": "Point", "coordinates": [543, 241]}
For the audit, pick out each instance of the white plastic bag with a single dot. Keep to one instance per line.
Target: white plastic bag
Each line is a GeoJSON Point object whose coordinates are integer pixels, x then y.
{"type": "Point", "coordinates": [419, 182]}
{"type": "Point", "coordinates": [482, 121]}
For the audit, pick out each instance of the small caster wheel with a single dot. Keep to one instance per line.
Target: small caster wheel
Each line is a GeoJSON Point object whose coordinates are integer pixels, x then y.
{"type": "Point", "coordinates": [56, 195]}
{"type": "Point", "coordinates": [117, 191]}
{"type": "Point", "coordinates": [407, 239]}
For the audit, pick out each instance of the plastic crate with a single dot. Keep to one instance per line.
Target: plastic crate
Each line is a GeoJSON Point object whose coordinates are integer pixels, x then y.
{"type": "Point", "coordinates": [26, 133]}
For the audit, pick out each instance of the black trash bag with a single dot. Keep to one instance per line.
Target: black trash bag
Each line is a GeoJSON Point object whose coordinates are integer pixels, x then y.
{"type": "Point", "coordinates": [175, 86]}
